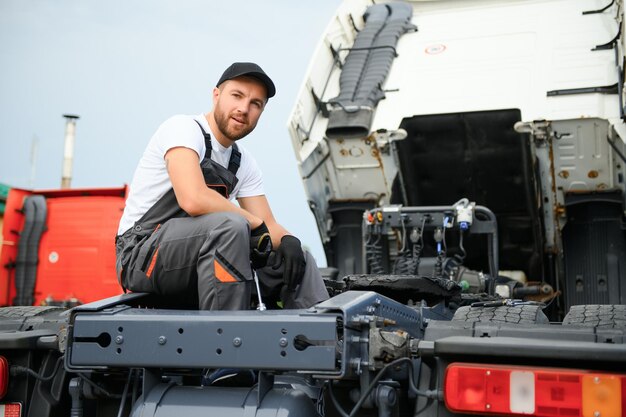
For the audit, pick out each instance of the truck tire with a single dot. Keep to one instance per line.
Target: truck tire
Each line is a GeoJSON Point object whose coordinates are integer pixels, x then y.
{"type": "Point", "coordinates": [25, 319]}
{"type": "Point", "coordinates": [603, 316]}
{"type": "Point", "coordinates": [522, 314]}
{"type": "Point", "coordinates": [26, 311]}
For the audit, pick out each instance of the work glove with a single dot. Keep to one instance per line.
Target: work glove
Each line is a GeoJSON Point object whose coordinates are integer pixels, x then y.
{"type": "Point", "coordinates": [290, 254]}
{"type": "Point", "coordinates": [260, 246]}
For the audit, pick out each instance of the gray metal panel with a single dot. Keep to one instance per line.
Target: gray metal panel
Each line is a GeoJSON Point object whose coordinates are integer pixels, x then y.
{"type": "Point", "coordinates": [520, 347]}
{"type": "Point", "coordinates": [129, 298]}
{"type": "Point", "coordinates": [354, 303]}
{"type": "Point", "coordinates": [581, 156]}
{"type": "Point", "coordinates": [175, 401]}
{"type": "Point", "coordinates": [203, 339]}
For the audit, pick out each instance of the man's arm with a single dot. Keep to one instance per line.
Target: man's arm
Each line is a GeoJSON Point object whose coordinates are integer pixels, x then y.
{"type": "Point", "coordinates": [192, 194]}
{"type": "Point", "coordinates": [259, 206]}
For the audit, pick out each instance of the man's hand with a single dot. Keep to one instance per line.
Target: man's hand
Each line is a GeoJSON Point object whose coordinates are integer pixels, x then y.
{"type": "Point", "coordinates": [290, 254]}
{"type": "Point", "coordinates": [289, 249]}
{"type": "Point", "coordinates": [260, 246]}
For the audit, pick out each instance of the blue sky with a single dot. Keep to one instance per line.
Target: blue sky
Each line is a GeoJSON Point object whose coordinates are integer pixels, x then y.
{"type": "Point", "coordinates": [126, 66]}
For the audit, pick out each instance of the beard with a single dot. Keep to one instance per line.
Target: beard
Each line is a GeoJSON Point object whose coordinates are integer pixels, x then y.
{"type": "Point", "coordinates": [232, 133]}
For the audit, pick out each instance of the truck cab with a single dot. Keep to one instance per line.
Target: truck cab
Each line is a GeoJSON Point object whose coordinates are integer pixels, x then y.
{"type": "Point", "coordinates": [464, 161]}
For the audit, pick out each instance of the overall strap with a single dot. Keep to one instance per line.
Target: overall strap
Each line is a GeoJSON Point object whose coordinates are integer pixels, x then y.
{"type": "Point", "coordinates": [207, 141]}
{"type": "Point", "coordinates": [235, 156]}
{"type": "Point", "coordinates": [235, 160]}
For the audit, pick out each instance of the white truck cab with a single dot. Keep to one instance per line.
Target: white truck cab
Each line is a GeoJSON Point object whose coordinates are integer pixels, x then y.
{"type": "Point", "coordinates": [517, 105]}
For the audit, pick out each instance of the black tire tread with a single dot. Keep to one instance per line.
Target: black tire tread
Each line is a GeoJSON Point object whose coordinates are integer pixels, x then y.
{"type": "Point", "coordinates": [522, 314]}
{"type": "Point", "coordinates": [609, 316]}
{"type": "Point", "coordinates": [26, 311]}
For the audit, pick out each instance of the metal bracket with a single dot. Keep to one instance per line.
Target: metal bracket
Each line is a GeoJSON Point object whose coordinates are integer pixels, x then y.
{"type": "Point", "coordinates": [141, 338]}
{"type": "Point", "coordinates": [320, 105]}
{"type": "Point", "coordinates": [540, 130]}
{"type": "Point", "coordinates": [610, 44]}
{"type": "Point", "coordinates": [599, 10]}
{"type": "Point", "coordinates": [359, 309]}
{"type": "Point", "coordinates": [607, 89]}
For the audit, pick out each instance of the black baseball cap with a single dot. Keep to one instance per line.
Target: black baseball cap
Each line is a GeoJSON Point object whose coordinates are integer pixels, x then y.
{"type": "Point", "coordinates": [251, 70]}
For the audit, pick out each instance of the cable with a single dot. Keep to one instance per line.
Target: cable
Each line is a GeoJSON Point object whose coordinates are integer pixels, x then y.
{"type": "Point", "coordinates": [556, 295]}
{"type": "Point", "coordinates": [338, 407]}
{"type": "Point", "coordinates": [492, 244]}
{"type": "Point", "coordinates": [17, 369]}
{"type": "Point", "coordinates": [319, 403]}
{"type": "Point", "coordinates": [97, 387]}
{"type": "Point", "coordinates": [439, 236]}
{"type": "Point", "coordinates": [419, 245]}
{"type": "Point", "coordinates": [404, 239]}
{"type": "Point", "coordinates": [621, 155]}
{"type": "Point", "coordinates": [374, 253]}
{"type": "Point", "coordinates": [406, 263]}
{"type": "Point", "coordinates": [445, 226]}
{"type": "Point", "coordinates": [125, 393]}
{"type": "Point", "coordinates": [461, 247]}
{"type": "Point", "coordinates": [432, 394]}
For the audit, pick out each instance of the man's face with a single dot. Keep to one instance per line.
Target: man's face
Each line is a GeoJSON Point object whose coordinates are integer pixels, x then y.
{"type": "Point", "coordinates": [238, 104]}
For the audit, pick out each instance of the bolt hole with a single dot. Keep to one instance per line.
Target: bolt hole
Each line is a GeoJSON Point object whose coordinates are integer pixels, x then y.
{"type": "Point", "coordinates": [120, 329]}
{"type": "Point", "coordinates": [219, 331]}
{"type": "Point", "coordinates": [103, 339]}
{"type": "Point", "coordinates": [301, 342]}
{"type": "Point", "coordinates": [179, 351]}
{"type": "Point", "coordinates": [218, 351]}
{"type": "Point", "coordinates": [118, 350]}
{"type": "Point", "coordinates": [181, 331]}
{"type": "Point", "coordinates": [283, 353]}
{"type": "Point", "coordinates": [283, 331]}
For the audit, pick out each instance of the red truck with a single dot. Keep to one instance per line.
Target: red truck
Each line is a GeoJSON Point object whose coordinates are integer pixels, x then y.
{"type": "Point", "coordinates": [53, 239]}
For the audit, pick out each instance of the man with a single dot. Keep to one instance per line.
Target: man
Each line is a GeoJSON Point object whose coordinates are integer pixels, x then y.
{"type": "Point", "coordinates": [181, 234]}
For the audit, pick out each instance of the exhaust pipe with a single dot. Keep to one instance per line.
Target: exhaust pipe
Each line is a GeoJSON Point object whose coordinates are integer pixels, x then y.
{"type": "Point", "coordinates": [68, 150]}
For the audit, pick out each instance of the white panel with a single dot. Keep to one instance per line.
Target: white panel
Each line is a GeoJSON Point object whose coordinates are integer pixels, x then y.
{"type": "Point", "coordinates": [522, 392]}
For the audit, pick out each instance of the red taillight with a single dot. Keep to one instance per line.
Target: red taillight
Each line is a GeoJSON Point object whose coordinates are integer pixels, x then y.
{"type": "Point", "coordinates": [11, 410]}
{"type": "Point", "coordinates": [4, 376]}
{"type": "Point", "coordinates": [545, 392]}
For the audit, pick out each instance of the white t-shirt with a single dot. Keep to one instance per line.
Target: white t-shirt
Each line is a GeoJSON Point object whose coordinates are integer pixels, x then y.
{"type": "Point", "coordinates": [151, 180]}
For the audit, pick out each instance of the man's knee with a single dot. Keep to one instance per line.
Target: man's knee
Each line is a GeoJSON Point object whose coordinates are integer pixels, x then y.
{"type": "Point", "coordinates": [227, 222]}
{"type": "Point", "coordinates": [235, 221]}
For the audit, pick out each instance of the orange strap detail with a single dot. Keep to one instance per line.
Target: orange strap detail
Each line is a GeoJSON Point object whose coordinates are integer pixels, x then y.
{"type": "Point", "coordinates": [152, 263]}
{"type": "Point", "coordinates": [222, 274]}
{"type": "Point", "coordinates": [214, 186]}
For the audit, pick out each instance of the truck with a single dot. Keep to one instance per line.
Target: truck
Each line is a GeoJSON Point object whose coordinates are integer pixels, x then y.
{"type": "Point", "coordinates": [52, 239]}
{"type": "Point", "coordinates": [464, 162]}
